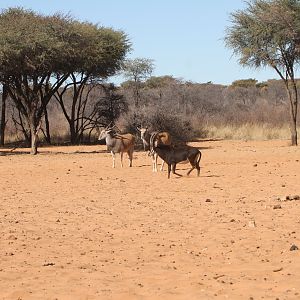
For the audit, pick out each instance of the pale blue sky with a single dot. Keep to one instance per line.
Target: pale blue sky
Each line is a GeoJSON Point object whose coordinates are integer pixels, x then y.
{"type": "Point", "coordinates": [183, 37]}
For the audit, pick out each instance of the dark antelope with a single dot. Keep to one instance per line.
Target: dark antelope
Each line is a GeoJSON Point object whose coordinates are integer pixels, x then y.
{"type": "Point", "coordinates": [173, 155]}
{"type": "Point", "coordinates": [163, 138]}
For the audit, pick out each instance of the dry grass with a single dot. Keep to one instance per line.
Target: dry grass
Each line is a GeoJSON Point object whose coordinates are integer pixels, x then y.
{"type": "Point", "coordinates": [13, 138]}
{"type": "Point", "coordinates": [249, 132]}
{"type": "Point", "coordinates": [246, 131]}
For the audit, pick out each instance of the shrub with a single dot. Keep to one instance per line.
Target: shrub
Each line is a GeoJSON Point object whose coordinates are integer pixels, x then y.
{"type": "Point", "coordinates": [180, 128]}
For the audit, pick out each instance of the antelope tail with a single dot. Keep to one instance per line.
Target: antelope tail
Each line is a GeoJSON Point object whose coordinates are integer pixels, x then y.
{"type": "Point", "coordinates": [198, 157]}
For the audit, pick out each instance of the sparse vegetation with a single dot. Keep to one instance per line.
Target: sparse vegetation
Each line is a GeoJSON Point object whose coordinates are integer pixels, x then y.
{"type": "Point", "coordinates": [266, 33]}
{"type": "Point", "coordinates": [68, 103]}
{"type": "Point", "coordinates": [187, 110]}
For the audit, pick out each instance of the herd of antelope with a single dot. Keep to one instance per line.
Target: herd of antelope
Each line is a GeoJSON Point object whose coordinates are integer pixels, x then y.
{"type": "Point", "coordinates": [159, 144]}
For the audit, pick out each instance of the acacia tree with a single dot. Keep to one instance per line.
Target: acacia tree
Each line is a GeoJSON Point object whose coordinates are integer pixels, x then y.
{"type": "Point", "coordinates": [111, 105]}
{"type": "Point", "coordinates": [138, 70]}
{"type": "Point", "coordinates": [104, 52]}
{"type": "Point", "coordinates": [29, 57]}
{"type": "Point", "coordinates": [38, 53]}
{"type": "Point", "coordinates": [267, 33]}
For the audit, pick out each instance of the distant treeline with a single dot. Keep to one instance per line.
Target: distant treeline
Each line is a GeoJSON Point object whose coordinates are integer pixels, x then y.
{"type": "Point", "coordinates": [188, 110]}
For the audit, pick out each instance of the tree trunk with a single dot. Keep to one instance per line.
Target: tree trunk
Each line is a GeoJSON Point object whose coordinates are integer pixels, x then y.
{"type": "Point", "coordinates": [34, 139]}
{"type": "Point", "coordinates": [47, 135]}
{"type": "Point", "coordinates": [136, 93]}
{"type": "Point", "coordinates": [3, 115]}
{"type": "Point", "coordinates": [293, 99]}
{"type": "Point", "coordinates": [73, 133]}
{"type": "Point", "coordinates": [294, 138]}
{"type": "Point", "coordinates": [26, 133]}
{"type": "Point", "coordinates": [293, 115]}
{"type": "Point", "coordinates": [293, 125]}
{"type": "Point", "coordinates": [34, 131]}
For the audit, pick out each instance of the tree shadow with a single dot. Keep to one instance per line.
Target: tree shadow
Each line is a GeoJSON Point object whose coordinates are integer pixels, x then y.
{"type": "Point", "coordinates": [10, 153]}
{"type": "Point", "coordinates": [205, 148]}
{"type": "Point", "coordinates": [45, 152]}
{"type": "Point", "coordinates": [141, 166]}
{"type": "Point", "coordinates": [206, 140]}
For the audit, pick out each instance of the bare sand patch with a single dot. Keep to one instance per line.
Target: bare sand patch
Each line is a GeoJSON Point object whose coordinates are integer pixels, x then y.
{"type": "Point", "coordinates": [74, 228]}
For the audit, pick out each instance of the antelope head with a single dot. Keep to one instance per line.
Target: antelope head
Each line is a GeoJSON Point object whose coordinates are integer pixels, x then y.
{"type": "Point", "coordinates": [143, 131]}
{"type": "Point", "coordinates": [104, 132]}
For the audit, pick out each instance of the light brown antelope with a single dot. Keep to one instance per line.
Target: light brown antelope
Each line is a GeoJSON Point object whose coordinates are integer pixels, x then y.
{"type": "Point", "coordinates": [118, 143]}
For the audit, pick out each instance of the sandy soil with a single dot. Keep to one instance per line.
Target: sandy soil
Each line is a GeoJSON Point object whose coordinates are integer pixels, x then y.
{"type": "Point", "coordinates": [74, 228]}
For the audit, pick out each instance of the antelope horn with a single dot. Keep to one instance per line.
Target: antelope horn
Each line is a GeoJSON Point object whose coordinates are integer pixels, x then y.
{"type": "Point", "coordinates": [152, 139]}
{"type": "Point", "coordinates": [115, 126]}
{"type": "Point", "coordinates": [109, 126]}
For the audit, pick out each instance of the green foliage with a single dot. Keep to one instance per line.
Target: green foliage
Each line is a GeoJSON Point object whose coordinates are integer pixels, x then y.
{"type": "Point", "coordinates": [160, 81]}
{"type": "Point", "coordinates": [266, 33]}
{"type": "Point", "coordinates": [23, 43]}
{"type": "Point", "coordinates": [138, 69]}
{"type": "Point", "coordinates": [245, 83]}
{"type": "Point", "coordinates": [38, 44]}
{"type": "Point", "coordinates": [128, 84]}
{"type": "Point", "coordinates": [262, 85]}
{"type": "Point", "coordinates": [99, 51]}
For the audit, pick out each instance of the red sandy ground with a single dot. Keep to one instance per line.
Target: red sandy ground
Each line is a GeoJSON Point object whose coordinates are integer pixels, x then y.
{"type": "Point", "coordinates": [74, 228]}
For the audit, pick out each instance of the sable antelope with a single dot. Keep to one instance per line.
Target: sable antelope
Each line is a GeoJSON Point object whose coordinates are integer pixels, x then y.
{"type": "Point", "coordinates": [174, 155]}
{"type": "Point", "coordinates": [161, 138]}
{"type": "Point", "coordinates": [118, 143]}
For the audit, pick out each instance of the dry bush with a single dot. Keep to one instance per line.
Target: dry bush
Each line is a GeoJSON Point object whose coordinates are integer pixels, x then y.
{"type": "Point", "coordinates": [180, 128]}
